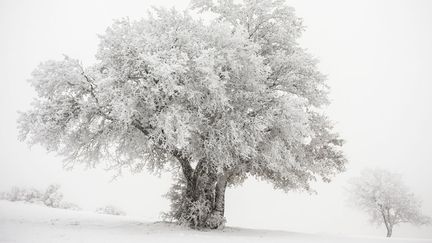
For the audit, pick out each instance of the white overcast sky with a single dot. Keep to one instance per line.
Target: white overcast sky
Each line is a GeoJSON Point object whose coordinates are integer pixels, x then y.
{"type": "Point", "coordinates": [378, 58]}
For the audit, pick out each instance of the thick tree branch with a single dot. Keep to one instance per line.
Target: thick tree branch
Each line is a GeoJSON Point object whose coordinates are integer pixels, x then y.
{"type": "Point", "coordinates": [185, 165]}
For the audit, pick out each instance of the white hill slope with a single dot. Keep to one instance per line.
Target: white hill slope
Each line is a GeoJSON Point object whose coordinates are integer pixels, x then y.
{"type": "Point", "coordinates": [21, 222]}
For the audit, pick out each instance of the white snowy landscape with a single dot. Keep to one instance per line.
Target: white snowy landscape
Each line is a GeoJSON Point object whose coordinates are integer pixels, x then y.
{"type": "Point", "coordinates": [22, 222]}
{"type": "Point", "coordinates": [215, 121]}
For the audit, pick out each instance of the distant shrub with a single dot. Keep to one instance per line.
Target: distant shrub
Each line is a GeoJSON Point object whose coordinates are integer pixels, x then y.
{"type": "Point", "coordinates": [69, 206]}
{"type": "Point", "coordinates": [52, 197]}
{"type": "Point", "coordinates": [110, 210]}
{"type": "Point", "coordinates": [18, 194]}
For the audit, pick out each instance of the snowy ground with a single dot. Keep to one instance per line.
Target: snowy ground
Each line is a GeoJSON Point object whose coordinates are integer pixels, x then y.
{"type": "Point", "coordinates": [20, 222]}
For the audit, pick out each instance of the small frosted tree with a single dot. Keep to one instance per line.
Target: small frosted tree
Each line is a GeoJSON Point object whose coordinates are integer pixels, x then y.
{"type": "Point", "coordinates": [212, 102]}
{"type": "Point", "coordinates": [386, 199]}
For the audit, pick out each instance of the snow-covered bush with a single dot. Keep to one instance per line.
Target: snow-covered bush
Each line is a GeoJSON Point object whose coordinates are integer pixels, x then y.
{"type": "Point", "coordinates": [69, 206]}
{"type": "Point", "coordinates": [111, 210]}
{"type": "Point", "coordinates": [19, 194]}
{"type": "Point", "coordinates": [52, 197]}
{"type": "Point", "coordinates": [177, 199]}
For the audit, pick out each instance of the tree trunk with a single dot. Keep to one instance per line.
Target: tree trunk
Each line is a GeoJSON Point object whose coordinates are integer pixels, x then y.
{"type": "Point", "coordinates": [219, 205]}
{"type": "Point", "coordinates": [388, 227]}
{"type": "Point", "coordinates": [386, 220]}
{"type": "Point", "coordinates": [199, 198]}
{"type": "Point", "coordinates": [217, 219]}
{"type": "Point", "coordinates": [389, 231]}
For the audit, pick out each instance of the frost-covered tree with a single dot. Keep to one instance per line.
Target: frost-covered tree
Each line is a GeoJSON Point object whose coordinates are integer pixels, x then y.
{"type": "Point", "coordinates": [386, 199]}
{"type": "Point", "coordinates": [212, 101]}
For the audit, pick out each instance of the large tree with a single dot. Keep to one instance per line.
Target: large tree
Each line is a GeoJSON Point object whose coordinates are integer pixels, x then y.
{"type": "Point", "coordinates": [212, 101]}
{"type": "Point", "coordinates": [386, 199]}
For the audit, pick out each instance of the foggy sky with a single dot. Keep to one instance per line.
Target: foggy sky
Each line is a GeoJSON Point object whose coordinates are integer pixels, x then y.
{"type": "Point", "coordinates": [376, 55]}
